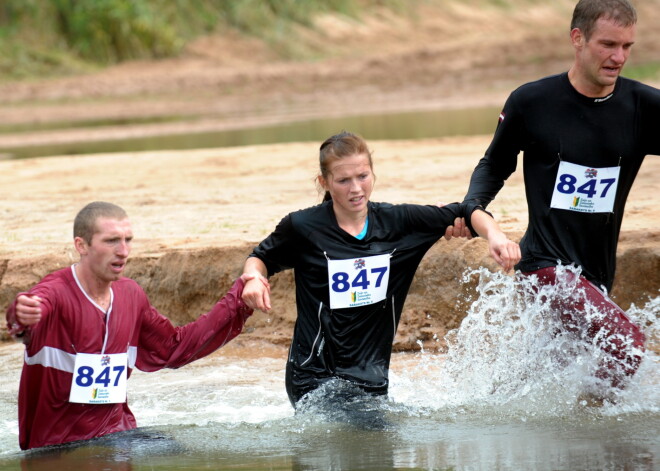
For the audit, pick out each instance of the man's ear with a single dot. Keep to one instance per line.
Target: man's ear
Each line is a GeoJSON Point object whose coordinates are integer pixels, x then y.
{"type": "Point", "coordinates": [577, 38]}
{"type": "Point", "coordinates": [80, 245]}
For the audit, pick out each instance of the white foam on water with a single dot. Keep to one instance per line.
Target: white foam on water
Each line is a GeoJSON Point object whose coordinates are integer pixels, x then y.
{"type": "Point", "coordinates": [215, 389]}
{"type": "Point", "coordinates": [509, 362]}
{"type": "Point", "coordinates": [511, 357]}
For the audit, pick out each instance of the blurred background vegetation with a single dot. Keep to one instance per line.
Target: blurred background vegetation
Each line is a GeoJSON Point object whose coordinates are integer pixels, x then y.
{"type": "Point", "coordinates": [55, 37]}
{"type": "Point", "coordinates": [45, 38]}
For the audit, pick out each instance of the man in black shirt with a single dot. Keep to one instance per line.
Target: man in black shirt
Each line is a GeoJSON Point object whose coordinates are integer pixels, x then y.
{"type": "Point", "coordinates": [584, 135]}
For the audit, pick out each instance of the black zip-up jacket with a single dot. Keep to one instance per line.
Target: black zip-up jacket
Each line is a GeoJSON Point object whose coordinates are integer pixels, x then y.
{"type": "Point", "coordinates": [352, 343]}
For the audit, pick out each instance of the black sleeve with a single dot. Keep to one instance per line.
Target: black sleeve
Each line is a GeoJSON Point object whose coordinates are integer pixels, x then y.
{"type": "Point", "coordinates": [277, 251]}
{"type": "Point", "coordinates": [650, 117]}
{"type": "Point", "coordinates": [434, 219]}
{"type": "Point", "coordinates": [500, 159]}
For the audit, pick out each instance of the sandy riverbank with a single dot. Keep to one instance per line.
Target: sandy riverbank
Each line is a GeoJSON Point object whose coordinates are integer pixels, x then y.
{"type": "Point", "coordinates": [196, 214]}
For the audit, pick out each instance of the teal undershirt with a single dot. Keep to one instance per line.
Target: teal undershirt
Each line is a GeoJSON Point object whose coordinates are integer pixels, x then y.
{"type": "Point", "coordinates": [361, 235]}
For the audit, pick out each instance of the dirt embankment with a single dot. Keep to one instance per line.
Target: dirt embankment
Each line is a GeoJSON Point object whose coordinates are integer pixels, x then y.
{"type": "Point", "coordinates": [184, 284]}
{"type": "Point", "coordinates": [196, 214]}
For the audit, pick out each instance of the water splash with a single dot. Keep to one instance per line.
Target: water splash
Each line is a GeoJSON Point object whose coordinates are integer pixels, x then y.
{"type": "Point", "coordinates": [509, 372]}
{"type": "Point", "coordinates": [511, 356]}
{"type": "Point", "coordinates": [342, 402]}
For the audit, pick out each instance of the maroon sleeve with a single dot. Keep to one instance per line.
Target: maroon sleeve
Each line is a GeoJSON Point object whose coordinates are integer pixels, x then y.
{"type": "Point", "coordinates": [161, 345]}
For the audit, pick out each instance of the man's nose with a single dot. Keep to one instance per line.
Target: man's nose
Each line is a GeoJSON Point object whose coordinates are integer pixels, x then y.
{"type": "Point", "coordinates": [620, 55]}
{"type": "Point", "coordinates": [123, 248]}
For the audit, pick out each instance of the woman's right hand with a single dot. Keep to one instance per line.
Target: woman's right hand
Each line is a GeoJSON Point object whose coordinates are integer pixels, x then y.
{"type": "Point", "coordinates": [256, 292]}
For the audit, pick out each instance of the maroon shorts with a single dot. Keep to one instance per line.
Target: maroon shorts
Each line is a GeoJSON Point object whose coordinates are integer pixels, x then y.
{"type": "Point", "coordinates": [615, 333]}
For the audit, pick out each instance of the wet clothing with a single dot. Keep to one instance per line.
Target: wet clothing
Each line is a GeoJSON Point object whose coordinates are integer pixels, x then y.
{"type": "Point", "coordinates": [551, 123]}
{"type": "Point", "coordinates": [618, 336]}
{"type": "Point", "coordinates": [352, 343]}
{"type": "Point", "coordinates": [72, 323]}
{"type": "Point", "coordinates": [581, 156]}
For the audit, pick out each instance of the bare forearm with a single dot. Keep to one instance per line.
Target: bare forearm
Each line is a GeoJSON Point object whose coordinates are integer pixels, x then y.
{"type": "Point", "coordinates": [504, 251]}
{"type": "Point", "coordinates": [484, 224]}
{"type": "Point", "coordinates": [254, 265]}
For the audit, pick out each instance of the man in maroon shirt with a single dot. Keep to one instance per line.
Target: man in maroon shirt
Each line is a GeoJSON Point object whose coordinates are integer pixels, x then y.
{"type": "Point", "coordinates": [86, 327]}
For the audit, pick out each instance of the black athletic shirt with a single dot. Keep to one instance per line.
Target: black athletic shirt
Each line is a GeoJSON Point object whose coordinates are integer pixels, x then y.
{"type": "Point", "coordinates": [352, 343]}
{"type": "Point", "coordinates": [549, 120]}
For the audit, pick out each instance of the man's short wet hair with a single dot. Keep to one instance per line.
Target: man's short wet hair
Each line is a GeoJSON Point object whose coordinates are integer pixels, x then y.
{"type": "Point", "coordinates": [84, 225]}
{"type": "Point", "coordinates": [588, 12]}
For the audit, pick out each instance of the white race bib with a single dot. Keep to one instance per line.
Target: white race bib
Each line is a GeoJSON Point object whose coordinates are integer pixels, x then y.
{"type": "Point", "coordinates": [99, 378]}
{"type": "Point", "coordinates": [358, 281]}
{"type": "Point", "coordinates": [585, 189]}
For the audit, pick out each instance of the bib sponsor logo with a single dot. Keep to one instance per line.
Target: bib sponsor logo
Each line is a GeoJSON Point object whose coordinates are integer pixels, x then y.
{"type": "Point", "coordinates": [591, 173]}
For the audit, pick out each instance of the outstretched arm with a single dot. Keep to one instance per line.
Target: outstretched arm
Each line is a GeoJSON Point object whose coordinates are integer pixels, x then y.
{"type": "Point", "coordinates": [162, 345]}
{"type": "Point", "coordinates": [504, 251]}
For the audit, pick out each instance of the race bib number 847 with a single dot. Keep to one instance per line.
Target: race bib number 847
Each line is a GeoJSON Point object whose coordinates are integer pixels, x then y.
{"type": "Point", "coordinates": [585, 189]}
{"type": "Point", "coordinates": [359, 281]}
{"type": "Point", "coordinates": [99, 379]}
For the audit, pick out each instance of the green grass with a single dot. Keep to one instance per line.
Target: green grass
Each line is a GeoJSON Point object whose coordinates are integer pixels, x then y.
{"type": "Point", "coordinates": [648, 71]}
{"type": "Point", "coordinates": [45, 38]}
{"type": "Point", "coordinates": [58, 37]}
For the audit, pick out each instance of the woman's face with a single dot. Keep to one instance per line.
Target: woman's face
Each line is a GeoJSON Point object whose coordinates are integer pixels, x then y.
{"type": "Point", "coordinates": [350, 182]}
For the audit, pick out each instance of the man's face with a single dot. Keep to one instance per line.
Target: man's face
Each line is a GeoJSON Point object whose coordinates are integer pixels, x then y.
{"type": "Point", "coordinates": [601, 58]}
{"type": "Point", "coordinates": [105, 257]}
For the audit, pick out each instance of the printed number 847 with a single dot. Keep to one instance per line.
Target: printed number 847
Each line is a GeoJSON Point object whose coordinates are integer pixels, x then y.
{"type": "Point", "coordinates": [86, 376]}
{"type": "Point", "coordinates": [567, 186]}
{"type": "Point", "coordinates": [340, 280]}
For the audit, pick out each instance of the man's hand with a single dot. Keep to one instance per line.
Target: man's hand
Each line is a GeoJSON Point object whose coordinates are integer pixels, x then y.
{"type": "Point", "coordinates": [504, 251]}
{"type": "Point", "coordinates": [28, 310]}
